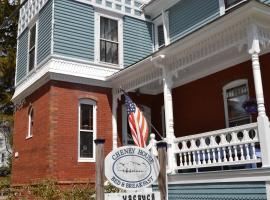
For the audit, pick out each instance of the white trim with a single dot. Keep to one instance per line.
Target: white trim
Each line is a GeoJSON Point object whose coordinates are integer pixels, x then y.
{"type": "Point", "coordinates": [30, 119]}
{"type": "Point", "coordinates": [166, 28]}
{"type": "Point", "coordinates": [156, 23]}
{"type": "Point", "coordinates": [94, 131]}
{"type": "Point", "coordinates": [267, 185]}
{"type": "Point", "coordinates": [100, 13]}
{"type": "Point", "coordinates": [52, 36]}
{"type": "Point", "coordinates": [31, 25]}
{"type": "Point", "coordinates": [228, 86]}
{"type": "Point", "coordinates": [222, 7]}
{"type": "Point", "coordinates": [244, 175]}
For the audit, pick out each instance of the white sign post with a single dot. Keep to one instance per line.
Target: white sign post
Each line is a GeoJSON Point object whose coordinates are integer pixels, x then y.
{"type": "Point", "coordinates": [131, 168]}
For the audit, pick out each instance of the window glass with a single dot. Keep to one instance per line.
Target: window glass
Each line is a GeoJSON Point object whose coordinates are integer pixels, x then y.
{"type": "Point", "coordinates": [235, 98]}
{"type": "Point", "coordinates": [108, 40]}
{"type": "Point", "coordinates": [30, 122]}
{"type": "Point", "coordinates": [86, 144]}
{"type": "Point", "coordinates": [161, 40]}
{"type": "Point", "coordinates": [86, 130]}
{"type": "Point", "coordinates": [86, 117]}
{"type": "Point", "coordinates": [32, 47]}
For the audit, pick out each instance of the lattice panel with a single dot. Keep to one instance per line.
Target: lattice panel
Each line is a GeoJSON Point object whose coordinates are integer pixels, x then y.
{"type": "Point", "coordinates": [28, 12]}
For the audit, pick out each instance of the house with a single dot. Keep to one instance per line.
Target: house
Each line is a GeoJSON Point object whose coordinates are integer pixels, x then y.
{"type": "Point", "coordinates": [198, 70]}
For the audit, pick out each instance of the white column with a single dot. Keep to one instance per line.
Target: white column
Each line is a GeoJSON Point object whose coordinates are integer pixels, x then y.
{"type": "Point", "coordinates": [114, 120]}
{"type": "Point", "coordinates": [267, 185]}
{"type": "Point", "coordinates": [222, 8]}
{"type": "Point", "coordinates": [263, 121]}
{"type": "Point", "coordinates": [165, 19]}
{"type": "Point", "coordinates": [168, 105]}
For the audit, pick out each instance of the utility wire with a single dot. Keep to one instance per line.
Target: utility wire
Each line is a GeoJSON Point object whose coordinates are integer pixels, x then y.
{"type": "Point", "coordinates": [14, 13]}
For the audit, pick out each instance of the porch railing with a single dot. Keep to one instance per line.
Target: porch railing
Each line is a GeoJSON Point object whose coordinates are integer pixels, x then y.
{"type": "Point", "coordinates": [227, 147]}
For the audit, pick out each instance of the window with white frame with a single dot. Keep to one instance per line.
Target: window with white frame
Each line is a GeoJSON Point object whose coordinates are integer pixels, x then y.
{"type": "Point", "coordinates": [32, 48]}
{"type": "Point", "coordinates": [109, 45]}
{"type": "Point", "coordinates": [235, 94]}
{"type": "Point", "coordinates": [30, 122]}
{"type": "Point", "coordinates": [160, 35]}
{"type": "Point", "coordinates": [87, 130]}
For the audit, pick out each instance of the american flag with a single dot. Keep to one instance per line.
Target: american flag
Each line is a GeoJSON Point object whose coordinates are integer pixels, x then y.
{"type": "Point", "coordinates": [137, 123]}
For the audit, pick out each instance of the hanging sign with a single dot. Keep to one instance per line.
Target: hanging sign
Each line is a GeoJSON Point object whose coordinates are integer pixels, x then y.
{"type": "Point", "coordinates": [133, 196]}
{"type": "Point", "coordinates": [131, 168]}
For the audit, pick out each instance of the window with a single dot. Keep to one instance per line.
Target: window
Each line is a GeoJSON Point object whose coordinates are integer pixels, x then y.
{"type": "Point", "coordinates": [235, 94]}
{"type": "Point", "coordinates": [30, 122]}
{"type": "Point", "coordinates": [32, 49]}
{"type": "Point", "coordinates": [229, 3]}
{"type": "Point", "coordinates": [2, 158]}
{"type": "Point", "coordinates": [160, 35]}
{"type": "Point", "coordinates": [87, 130]}
{"type": "Point", "coordinates": [109, 40]}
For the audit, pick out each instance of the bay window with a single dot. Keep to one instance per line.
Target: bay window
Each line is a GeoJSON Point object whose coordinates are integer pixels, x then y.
{"type": "Point", "coordinates": [32, 48]}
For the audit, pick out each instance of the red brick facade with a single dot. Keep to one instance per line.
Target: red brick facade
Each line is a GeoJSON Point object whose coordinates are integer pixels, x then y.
{"type": "Point", "coordinates": [53, 149]}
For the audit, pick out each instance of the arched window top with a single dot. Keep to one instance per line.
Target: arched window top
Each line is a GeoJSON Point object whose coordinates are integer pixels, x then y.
{"type": "Point", "coordinates": [235, 94]}
{"type": "Point", "coordinates": [87, 101]}
{"type": "Point", "coordinates": [30, 122]}
{"type": "Point", "coordinates": [234, 84]}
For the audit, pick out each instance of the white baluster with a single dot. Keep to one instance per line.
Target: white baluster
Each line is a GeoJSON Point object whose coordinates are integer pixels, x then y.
{"type": "Point", "coordinates": [219, 156]}
{"type": "Point", "coordinates": [230, 154]}
{"type": "Point", "coordinates": [235, 153]}
{"type": "Point", "coordinates": [199, 157]}
{"type": "Point", "coordinates": [181, 159]}
{"type": "Point", "coordinates": [202, 145]}
{"type": "Point", "coordinates": [189, 159]}
{"type": "Point", "coordinates": [209, 157]}
{"type": "Point", "coordinates": [254, 156]}
{"type": "Point", "coordinates": [213, 145]}
{"type": "Point", "coordinates": [193, 147]}
{"type": "Point", "coordinates": [247, 152]}
{"type": "Point", "coordinates": [224, 142]}
{"type": "Point", "coordinates": [185, 159]}
{"type": "Point", "coordinates": [241, 152]}
{"type": "Point", "coordinates": [214, 155]}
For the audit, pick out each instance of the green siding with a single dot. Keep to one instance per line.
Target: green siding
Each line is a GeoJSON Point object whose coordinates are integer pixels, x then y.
{"type": "Point", "coordinates": [74, 29]}
{"type": "Point", "coordinates": [218, 191]}
{"type": "Point", "coordinates": [137, 40]}
{"type": "Point", "coordinates": [188, 15]}
{"type": "Point", "coordinates": [22, 56]}
{"type": "Point", "coordinates": [44, 32]}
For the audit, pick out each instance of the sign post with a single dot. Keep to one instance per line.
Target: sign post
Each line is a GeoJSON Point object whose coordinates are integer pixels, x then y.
{"type": "Point", "coordinates": [100, 169]}
{"type": "Point", "coordinates": [162, 178]}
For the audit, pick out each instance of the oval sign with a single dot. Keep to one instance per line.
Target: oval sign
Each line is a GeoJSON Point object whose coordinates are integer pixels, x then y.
{"type": "Point", "coordinates": [131, 168]}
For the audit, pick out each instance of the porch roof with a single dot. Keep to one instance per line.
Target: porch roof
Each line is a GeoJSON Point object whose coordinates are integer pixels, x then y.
{"type": "Point", "coordinates": [215, 46]}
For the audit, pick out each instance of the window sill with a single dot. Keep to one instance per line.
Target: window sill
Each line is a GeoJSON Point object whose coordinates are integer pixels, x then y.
{"type": "Point", "coordinates": [86, 160]}
{"type": "Point", "coordinates": [29, 137]}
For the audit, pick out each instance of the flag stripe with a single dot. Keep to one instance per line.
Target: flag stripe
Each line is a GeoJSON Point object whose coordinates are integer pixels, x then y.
{"type": "Point", "coordinates": [137, 122]}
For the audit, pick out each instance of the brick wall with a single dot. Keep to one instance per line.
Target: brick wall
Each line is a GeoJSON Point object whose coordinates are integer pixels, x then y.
{"type": "Point", "coordinates": [53, 149]}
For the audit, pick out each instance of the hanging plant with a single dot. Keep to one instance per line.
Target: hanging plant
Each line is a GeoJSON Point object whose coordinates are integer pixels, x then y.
{"type": "Point", "coordinates": [250, 106]}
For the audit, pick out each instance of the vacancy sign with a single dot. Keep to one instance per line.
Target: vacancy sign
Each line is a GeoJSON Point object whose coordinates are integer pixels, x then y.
{"type": "Point", "coordinates": [133, 196]}
{"type": "Point", "coordinates": [131, 168]}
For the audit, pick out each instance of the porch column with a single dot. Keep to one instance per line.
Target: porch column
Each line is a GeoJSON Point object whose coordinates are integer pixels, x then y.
{"type": "Point", "coordinates": [168, 105]}
{"type": "Point", "coordinates": [114, 120]}
{"type": "Point", "coordinates": [263, 121]}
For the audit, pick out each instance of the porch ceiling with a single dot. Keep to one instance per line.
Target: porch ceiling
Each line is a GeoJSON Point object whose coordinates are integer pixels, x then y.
{"type": "Point", "coordinates": [217, 46]}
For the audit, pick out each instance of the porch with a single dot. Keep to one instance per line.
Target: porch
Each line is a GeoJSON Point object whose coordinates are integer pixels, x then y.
{"type": "Point", "coordinates": [238, 37]}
